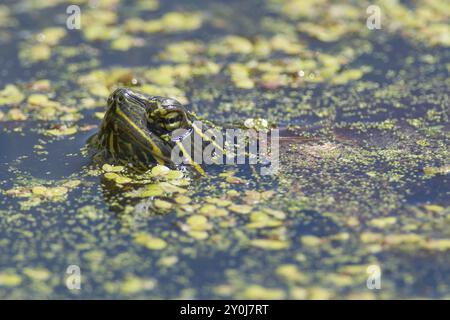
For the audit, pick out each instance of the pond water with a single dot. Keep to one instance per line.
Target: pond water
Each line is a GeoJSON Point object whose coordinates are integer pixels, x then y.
{"type": "Point", "coordinates": [363, 186]}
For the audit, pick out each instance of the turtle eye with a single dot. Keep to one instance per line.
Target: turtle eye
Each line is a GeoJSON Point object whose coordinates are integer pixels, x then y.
{"type": "Point", "coordinates": [153, 104]}
{"type": "Point", "coordinates": [120, 99]}
{"type": "Point", "coordinates": [172, 121]}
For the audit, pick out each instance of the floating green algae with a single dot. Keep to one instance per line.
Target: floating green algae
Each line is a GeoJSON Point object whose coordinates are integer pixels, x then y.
{"type": "Point", "coordinates": [363, 179]}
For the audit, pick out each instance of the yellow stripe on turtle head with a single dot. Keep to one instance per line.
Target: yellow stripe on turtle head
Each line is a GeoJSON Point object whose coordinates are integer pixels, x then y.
{"type": "Point", "coordinates": [191, 161]}
{"type": "Point", "coordinates": [155, 148]}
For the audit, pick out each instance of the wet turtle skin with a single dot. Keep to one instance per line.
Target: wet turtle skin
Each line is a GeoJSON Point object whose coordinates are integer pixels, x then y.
{"type": "Point", "coordinates": [132, 128]}
{"type": "Point", "coordinates": [139, 130]}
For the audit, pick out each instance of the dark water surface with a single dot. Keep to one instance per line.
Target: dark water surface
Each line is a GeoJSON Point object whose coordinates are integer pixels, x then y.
{"type": "Point", "coordinates": [364, 177]}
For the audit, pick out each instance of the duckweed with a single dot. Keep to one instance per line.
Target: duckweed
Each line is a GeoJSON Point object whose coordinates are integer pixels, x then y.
{"type": "Point", "coordinates": [11, 94]}
{"type": "Point", "coordinates": [10, 279]}
{"type": "Point", "coordinates": [243, 209]}
{"type": "Point", "coordinates": [363, 177]}
{"type": "Point", "coordinates": [256, 292]}
{"type": "Point", "coordinates": [268, 244]}
{"type": "Point", "coordinates": [161, 204]}
{"type": "Point", "coordinates": [150, 242]}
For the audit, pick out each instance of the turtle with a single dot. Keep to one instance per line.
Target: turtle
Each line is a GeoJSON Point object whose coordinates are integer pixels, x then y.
{"type": "Point", "coordinates": [140, 130]}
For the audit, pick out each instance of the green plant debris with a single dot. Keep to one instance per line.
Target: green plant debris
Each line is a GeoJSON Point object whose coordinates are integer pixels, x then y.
{"type": "Point", "coordinates": [436, 170]}
{"type": "Point", "coordinates": [169, 23]}
{"type": "Point", "coordinates": [268, 244]}
{"type": "Point", "coordinates": [11, 95]}
{"type": "Point", "coordinates": [9, 279]}
{"type": "Point", "coordinates": [62, 131]}
{"type": "Point", "coordinates": [150, 242]}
